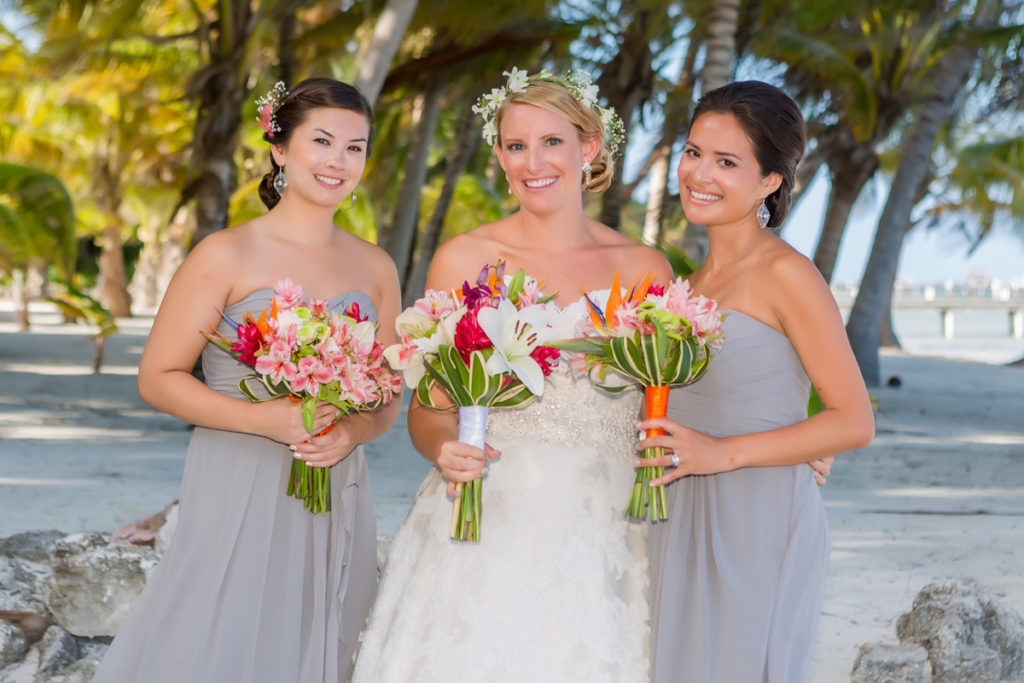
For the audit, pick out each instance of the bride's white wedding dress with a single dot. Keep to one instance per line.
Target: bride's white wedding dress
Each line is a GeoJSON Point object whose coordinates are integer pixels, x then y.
{"type": "Point", "coordinates": [556, 590]}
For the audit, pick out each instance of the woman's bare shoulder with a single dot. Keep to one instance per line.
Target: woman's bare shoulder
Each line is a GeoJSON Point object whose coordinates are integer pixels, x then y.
{"type": "Point", "coordinates": [472, 249]}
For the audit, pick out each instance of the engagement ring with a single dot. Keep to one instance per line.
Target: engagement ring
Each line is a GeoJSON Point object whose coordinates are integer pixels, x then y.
{"type": "Point", "coordinates": [675, 460]}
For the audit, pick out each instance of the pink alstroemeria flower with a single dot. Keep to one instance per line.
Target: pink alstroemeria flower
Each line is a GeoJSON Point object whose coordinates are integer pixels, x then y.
{"type": "Point", "coordinates": [436, 304]}
{"type": "Point", "coordinates": [289, 294]}
{"type": "Point", "coordinates": [277, 363]}
{"type": "Point", "coordinates": [311, 373]}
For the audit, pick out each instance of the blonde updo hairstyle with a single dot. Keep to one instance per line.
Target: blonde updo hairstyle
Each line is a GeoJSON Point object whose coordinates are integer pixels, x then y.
{"type": "Point", "coordinates": [547, 94]}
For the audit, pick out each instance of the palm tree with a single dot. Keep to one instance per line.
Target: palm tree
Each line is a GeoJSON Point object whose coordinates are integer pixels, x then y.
{"type": "Point", "coordinates": [949, 79]}
{"type": "Point", "coordinates": [857, 68]}
{"type": "Point", "coordinates": [37, 227]}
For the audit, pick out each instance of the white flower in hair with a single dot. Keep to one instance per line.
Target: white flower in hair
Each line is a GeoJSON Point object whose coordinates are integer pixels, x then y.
{"type": "Point", "coordinates": [518, 79]}
{"type": "Point", "coordinates": [490, 132]}
{"type": "Point", "coordinates": [578, 84]}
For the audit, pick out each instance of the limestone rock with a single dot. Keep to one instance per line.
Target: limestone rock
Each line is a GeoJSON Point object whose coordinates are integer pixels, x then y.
{"type": "Point", "coordinates": [166, 532]}
{"type": "Point", "coordinates": [21, 585]}
{"type": "Point", "coordinates": [13, 644]}
{"type": "Point", "coordinates": [34, 546]}
{"type": "Point", "coordinates": [880, 663]}
{"type": "Point", "coordinates": [58, 649]}
{"type": "Point", "coordinates": [95, 583]}
{"type": "Point", "coordinates": [970, 636]}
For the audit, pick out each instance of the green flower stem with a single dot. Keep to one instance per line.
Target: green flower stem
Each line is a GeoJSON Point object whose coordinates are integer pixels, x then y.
{"type": "Point", "coordinates": [646, 500]}
{"type": "Point", "coordinates": [311, 485]}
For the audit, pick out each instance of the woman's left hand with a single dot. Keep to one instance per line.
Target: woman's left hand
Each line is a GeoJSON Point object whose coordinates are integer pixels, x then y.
{"type": "Point", "coordinates": [698, 453]}
{"type": "Point", "coordinates": [330, 448]}
{"type": "Point", "coordinates": [822, 468]}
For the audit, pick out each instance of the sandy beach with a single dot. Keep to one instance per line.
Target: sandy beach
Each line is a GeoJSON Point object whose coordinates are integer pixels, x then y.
{"type": "Point", "coordinates": [939, 494]}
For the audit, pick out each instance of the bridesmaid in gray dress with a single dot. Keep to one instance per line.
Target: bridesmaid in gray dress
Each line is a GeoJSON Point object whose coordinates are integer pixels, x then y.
{"type": "Point", "coordinates": [738, 570]}
{"type": "Point", "coordinates": [254, 587]}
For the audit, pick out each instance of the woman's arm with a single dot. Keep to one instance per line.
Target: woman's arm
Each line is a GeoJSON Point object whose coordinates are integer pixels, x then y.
{"type": "Point", "coordinates": [812, 322]}
{"type": "Point", "coordinates": [435, 433]}
{"type": "Point", "coordinates": [192, 304]}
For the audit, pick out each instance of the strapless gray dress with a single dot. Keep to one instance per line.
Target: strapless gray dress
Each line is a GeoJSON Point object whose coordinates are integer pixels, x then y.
{"type": "Point", "coordinates": [253, 588]}
{"type": "Point", "coordinates": [738, 570]}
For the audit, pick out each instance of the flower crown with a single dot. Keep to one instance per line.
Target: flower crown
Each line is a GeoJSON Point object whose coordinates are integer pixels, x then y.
{"type": "Point", "coordinates": [578, 84]}
{"type": "Point", "coordinates": [267, 106]}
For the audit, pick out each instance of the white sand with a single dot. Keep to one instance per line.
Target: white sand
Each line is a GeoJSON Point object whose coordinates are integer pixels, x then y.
{"type": "Point", "coordinates": [938, 495]}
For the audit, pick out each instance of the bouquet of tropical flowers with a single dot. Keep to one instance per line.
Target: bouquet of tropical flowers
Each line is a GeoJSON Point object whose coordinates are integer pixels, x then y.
{"type": "Point", "coordinates": [484, 347]}
{"type": "Point", "coordinates": [302, 350]}
{"type": "Point", "coordinates": [658, 337]}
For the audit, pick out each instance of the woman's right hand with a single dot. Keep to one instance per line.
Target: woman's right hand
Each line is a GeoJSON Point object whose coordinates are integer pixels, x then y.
{"type": "Point", "coordinates": [281, 420]}
{"type": "Point", "coordinates": [461, 462]}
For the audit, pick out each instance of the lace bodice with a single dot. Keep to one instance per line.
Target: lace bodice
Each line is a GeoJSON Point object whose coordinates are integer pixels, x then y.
{"type": "Point", "coordinates": [571, 411]}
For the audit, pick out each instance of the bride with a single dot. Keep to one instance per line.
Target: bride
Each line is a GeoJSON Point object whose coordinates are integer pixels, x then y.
{"type": "Point", "coordinates": [556, 588]}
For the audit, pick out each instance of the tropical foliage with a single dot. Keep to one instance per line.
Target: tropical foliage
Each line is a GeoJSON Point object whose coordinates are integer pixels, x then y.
{"type": "Point", "coordinates": [143, 110]}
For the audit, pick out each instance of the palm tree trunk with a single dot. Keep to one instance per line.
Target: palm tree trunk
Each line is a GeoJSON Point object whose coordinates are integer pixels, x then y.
{"type": "Point", "coordinates": [387, 36]}
{"type": "Point", "coordinates": [221, 89]}
{"type": "Point", "coordinates": [865, 321]}
{"type": "Point", "coordinates": [848, 179]}
{"type": "Point", "coordinates": [676, 113]}
{"type": "Point", "coordinates": [721, 44]}
{"type": "Point", "coordinates": [406, 216]}
{"type": "Point", "coordinates": [718, 68]}
{"type": "Point", "coordinates": [626, 81]}
{"type": "Point", "coordinates": [466, 142]}
{"type": "Point", "coordinates": [112, 282]}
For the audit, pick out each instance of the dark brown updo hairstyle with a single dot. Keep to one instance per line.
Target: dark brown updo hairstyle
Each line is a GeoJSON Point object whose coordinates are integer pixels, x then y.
{"type": "Point", "coordinates": [311, 93]}
{"type": "Point", "coordinates": [775, 127]}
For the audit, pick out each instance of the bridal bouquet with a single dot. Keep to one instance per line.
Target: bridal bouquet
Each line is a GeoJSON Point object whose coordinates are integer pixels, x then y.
{"type": "Point", "coordinates": [484, 347]}
{"type": "Point", "coordinates": [310, 354]}
{"type": "Point", "coordinates": [658, 337]}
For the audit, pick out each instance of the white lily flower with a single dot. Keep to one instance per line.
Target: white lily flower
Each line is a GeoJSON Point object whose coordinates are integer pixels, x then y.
{"type": "Point", "coordinates": [405, 358]}
{"type": "Point", "coordinates": [413, 322]}
{"type": "Point", "coordinates": [515, 334]}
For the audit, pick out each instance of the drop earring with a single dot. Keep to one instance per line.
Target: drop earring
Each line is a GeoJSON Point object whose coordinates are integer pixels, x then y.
{"type": "Point", "coordinates": [509, 183]}
{"type": "Point", "coordinates": [280, 182]}
{"type": "Point", "coordinates": [763, 215]}
{"type": "Point", "coordinates": [352, 203]}
{"type": "Point", "coordinates": [586, 173]}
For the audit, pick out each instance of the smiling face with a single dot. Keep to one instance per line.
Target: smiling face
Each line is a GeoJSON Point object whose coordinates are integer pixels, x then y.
{"type": "Point", "coordinates": [325, 156]}
{"type": "Point", "coordinates": [542, 155]}
{"type": "Point", "coordinates": [720, 180]}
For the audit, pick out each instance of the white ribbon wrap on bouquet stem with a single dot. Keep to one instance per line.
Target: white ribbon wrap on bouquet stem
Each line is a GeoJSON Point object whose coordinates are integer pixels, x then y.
{"type": "Point", "coordinates": [473, 425]}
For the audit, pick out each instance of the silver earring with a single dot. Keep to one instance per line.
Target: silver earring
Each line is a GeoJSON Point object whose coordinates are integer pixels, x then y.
{"type": "Point", "coordinates": [280, 182]}
{"type": "Point", "coordinates": [586, 173]}
{"type": "Point", "coordinates": [763, 215]}
{"type": "Point", "coordinates": [509, 183]}
{"type": "Point", "coordinates": [352, 205]}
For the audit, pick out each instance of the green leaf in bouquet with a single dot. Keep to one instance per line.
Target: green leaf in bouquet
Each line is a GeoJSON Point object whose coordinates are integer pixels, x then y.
{"type": "Point", "coordinates": [435, 375]}
{"type": "Point", "coordinates": [243, 386]}
{"type": "Point", "coordinates": [308, 413]}
{"type": "Point", "coordinates": [482, 387]}
{"type": "Point", "coordinates": [516, 285]}
{"type": "Point", "coordinates": [596, 346]}
{"type": "Point", "coordinates": [661, 337]}
{"type": "Point", "coordinates": [423, 391]}
{"type": "Point", "coordinates": [512, 396]}
{"type": "Point", "coordinates": [457, 374]}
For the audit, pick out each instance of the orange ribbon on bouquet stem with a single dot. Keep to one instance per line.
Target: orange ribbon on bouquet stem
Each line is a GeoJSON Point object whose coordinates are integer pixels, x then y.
{"type": "Point", "coordinates": [645, 498]}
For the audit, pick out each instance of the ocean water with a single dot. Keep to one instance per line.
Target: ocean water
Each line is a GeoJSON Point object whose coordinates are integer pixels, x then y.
{"type": "Point", "coordinates": [981, 335]}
